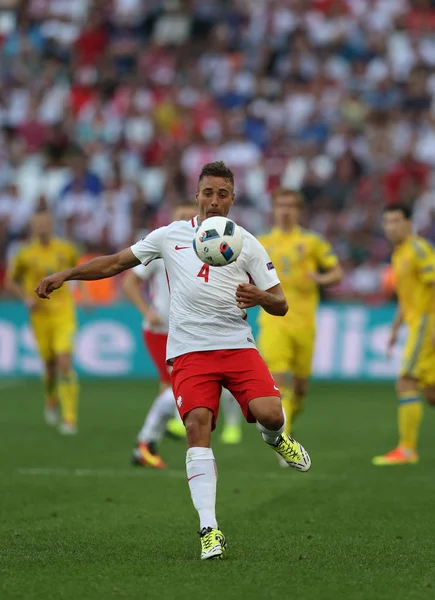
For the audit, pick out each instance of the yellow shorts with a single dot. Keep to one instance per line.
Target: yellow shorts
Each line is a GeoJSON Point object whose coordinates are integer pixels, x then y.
{"type": "Point", "coordinates": [419, 353]}
{"type": "Point", "coordinates": [287, 348]}
{"type": "Point", "coordinates": [54, 334]}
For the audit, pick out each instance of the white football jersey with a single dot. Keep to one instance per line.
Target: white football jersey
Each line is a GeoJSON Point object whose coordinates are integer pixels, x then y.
{"type": "Point", "coordinates": [203, 311]}
{"type": "Point", "coordinates": [155, 275]}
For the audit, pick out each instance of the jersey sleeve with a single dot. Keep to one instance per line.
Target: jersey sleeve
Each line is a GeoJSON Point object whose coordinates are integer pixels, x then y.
{"type": "Point", "coordinates": [151, 246]}
{"type": "Point", "coordinates": [325, 255]}
{"type": "Point", "coordinates": [259, 266]}
{"type": "Point", "coordinates": [145, 272]}
{"type": "Point", "coordinates": [425, 260]}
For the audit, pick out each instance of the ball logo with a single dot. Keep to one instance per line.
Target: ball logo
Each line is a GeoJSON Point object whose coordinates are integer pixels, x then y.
{"type": "Point", "coordinates": [203, 236]}
{"type": "Point", "coordinates": [223, 247]}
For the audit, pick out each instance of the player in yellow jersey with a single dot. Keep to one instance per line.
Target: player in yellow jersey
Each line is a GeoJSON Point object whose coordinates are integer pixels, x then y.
{"type": "Point", "coordinates": [413, 264]}
{"type": "Point", "coordinates": [303, 261]}
{"type": "Point", "coordinates": [53, 322]}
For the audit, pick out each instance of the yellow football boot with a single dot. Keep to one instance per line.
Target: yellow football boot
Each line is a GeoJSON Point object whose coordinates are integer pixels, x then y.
{"type": "Point", "coordinates": [292, 452]}
{"type": "Point", "coordinates": [213, 543]}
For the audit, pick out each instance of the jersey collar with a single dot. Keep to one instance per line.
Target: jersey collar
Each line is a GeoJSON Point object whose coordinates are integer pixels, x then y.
{"type": "Point", "coordinates": [278, 232]}
{"type": "Point", "coordinates": [405, 242]}
{"type": "Point", "coordinates": [35, 241]}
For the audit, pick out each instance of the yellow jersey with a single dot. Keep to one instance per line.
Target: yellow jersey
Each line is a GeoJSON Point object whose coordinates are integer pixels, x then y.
{"type": "Point", "coordinates": [35, 261]}
{"type": "Point", "coordinates": [414, 270]}
{"type": "Point", "coordinates": [295, 255]}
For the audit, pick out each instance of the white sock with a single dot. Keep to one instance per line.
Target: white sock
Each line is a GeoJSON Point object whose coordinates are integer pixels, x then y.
{"type": "Point", "coordinates": [202, 478]}
{"type": "Point", "coordinates": [231, 409]}
{"type": "Point", "coordinates": [157, 418]}
{"type": "Point", "coordinates": [270, 436]}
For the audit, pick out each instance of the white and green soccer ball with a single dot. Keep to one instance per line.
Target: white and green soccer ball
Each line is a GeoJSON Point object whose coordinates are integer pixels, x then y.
{"type": "Point", "coordinates": [218, 241]}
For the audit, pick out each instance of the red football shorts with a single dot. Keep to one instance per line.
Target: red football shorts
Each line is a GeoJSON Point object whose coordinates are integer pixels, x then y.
{"type": "Point", "coordinates": [198, 378]}
{"type": "Point", "coordinates": [156, 346]}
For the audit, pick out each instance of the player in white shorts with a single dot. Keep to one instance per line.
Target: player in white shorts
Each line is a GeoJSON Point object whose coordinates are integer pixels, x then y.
{"type": "Point", "coordinates": [210, 343]}
{"type": "Point", "coordinates": [155, 334]}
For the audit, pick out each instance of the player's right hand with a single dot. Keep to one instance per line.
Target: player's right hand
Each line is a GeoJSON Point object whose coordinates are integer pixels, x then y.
{"type": "Point", "coordinates": [154, 319]}
{"type": "Point", "coordinates": [49, 284]}
{"type": "Point", "coordinates": [31, 303]}
{"type": "Point", "coordinates": [391, 343]}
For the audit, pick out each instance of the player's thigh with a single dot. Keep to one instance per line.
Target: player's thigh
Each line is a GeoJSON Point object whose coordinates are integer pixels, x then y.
{"type": "Point", "coordinates": [303, 344]}
{"type": "Point", "coordinates": [275, 345]}
{"type": "Point", "coordinates": [418, 352]}
{"type": "Point", "coordinates": [42, 328]}
{"type": "Point", "coordinates": [247, 377]}
{"type": "Point", "coordinates": [196, 383]}
{"type": "Point", "coordinates": [64, 330]}
{"type": "Point", "coordinates": [156, 346]}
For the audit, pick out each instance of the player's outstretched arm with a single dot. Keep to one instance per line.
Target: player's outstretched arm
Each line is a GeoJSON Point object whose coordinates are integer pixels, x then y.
{"type": "Point", "coordinates": [98, 268]}
{"type": "Point", "coordinates": [395, 327]}
{"type": "Point", "coordinates": [331, 277]}
{"type": "Point", "coordinates": [273, 300]}
{"type": "Point", "coordinates": [17, 290]}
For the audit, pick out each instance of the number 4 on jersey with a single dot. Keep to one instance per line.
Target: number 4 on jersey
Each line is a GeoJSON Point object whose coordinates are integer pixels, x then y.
{"type": "Point", "coordinates": [204, 272]}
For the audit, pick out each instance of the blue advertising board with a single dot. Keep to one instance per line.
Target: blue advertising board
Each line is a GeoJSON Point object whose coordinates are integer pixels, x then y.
{"type": "Point", "coordinates": [351, 343]}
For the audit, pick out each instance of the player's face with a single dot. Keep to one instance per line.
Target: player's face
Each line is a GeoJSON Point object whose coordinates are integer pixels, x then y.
{"type": "Point", "coordinates": [214, 196]}
{"type": "Point", "coordinates": [286, 210]}
{"type": "Point", "coordinates": [42, 225]}
{"type": "Point", "coordinates": [184, 213]}
{"type": "Point", "coordinates": [396, 226]}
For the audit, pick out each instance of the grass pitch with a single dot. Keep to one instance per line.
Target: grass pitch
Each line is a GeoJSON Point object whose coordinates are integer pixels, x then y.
{"type": "Point", "coordinates": [78, 522]}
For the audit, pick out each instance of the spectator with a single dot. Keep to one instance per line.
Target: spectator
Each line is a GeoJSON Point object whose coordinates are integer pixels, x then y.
{"type": "Point", "coordinates": [335, 97]}
{"type": "Point", "coordinates": [15, 211]}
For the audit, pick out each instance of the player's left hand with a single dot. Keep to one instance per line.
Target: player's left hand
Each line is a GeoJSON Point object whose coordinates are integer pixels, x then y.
{"type": "Point", "coordinates": [49, 284]}
{"type": "Point", "coordinates": [248, 295]}
{"type": "Point", "coordinates": [316, 277]}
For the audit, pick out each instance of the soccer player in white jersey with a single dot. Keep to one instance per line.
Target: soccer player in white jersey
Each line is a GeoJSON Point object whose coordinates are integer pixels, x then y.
{"type": "Point", "coordinates": [155, 334]}
{"type": "Point", "coordinates": [210, 344]}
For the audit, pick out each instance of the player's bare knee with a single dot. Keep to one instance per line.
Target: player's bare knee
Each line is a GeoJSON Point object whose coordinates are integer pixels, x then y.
{"type": "Point", "coordinates": [300, 386]}
{"type": "Point", "coordinates": [198, 427]}
{"type": "Point", "coordinates": [429, 395]}
{"type": "Point", "coordinates": [50, 367]}
{"type": "Point", "coordinates": [405, 385]}
{"type": "Point", "coordinates": [273, 419]}
{"type": "Point", "coordinates": [64, 364]}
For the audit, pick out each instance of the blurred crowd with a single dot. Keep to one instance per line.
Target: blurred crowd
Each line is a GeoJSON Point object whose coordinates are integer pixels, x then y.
{"type": "Point", "coordinates": [109, 108]}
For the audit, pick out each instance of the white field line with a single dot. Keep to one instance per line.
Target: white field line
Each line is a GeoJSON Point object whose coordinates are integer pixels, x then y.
{"type": "Point", "coordinates": [140, 472]}
{"type": "Point", "coordinates": [137, 473]}
{"type": "Point", "coordinates": [110, 473]}
{"type": "Point", "coordinates": [9, 384]}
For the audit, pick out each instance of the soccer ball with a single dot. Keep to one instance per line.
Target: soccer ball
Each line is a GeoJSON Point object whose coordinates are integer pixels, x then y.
{"type": "Point", "coordinates": [218, 241]}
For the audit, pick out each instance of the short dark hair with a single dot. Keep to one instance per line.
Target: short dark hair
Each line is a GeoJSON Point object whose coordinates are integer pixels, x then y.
{"type": "Point", "coordinates": [405, 209]}
{"type": "Point", "coordinates": [217, 169]}
{"type": "Point", "coordinates": [284, 191]}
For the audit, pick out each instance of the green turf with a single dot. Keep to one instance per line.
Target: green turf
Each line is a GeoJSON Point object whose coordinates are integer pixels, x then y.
{"type": "Point", "coordinates": [77, 522]}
